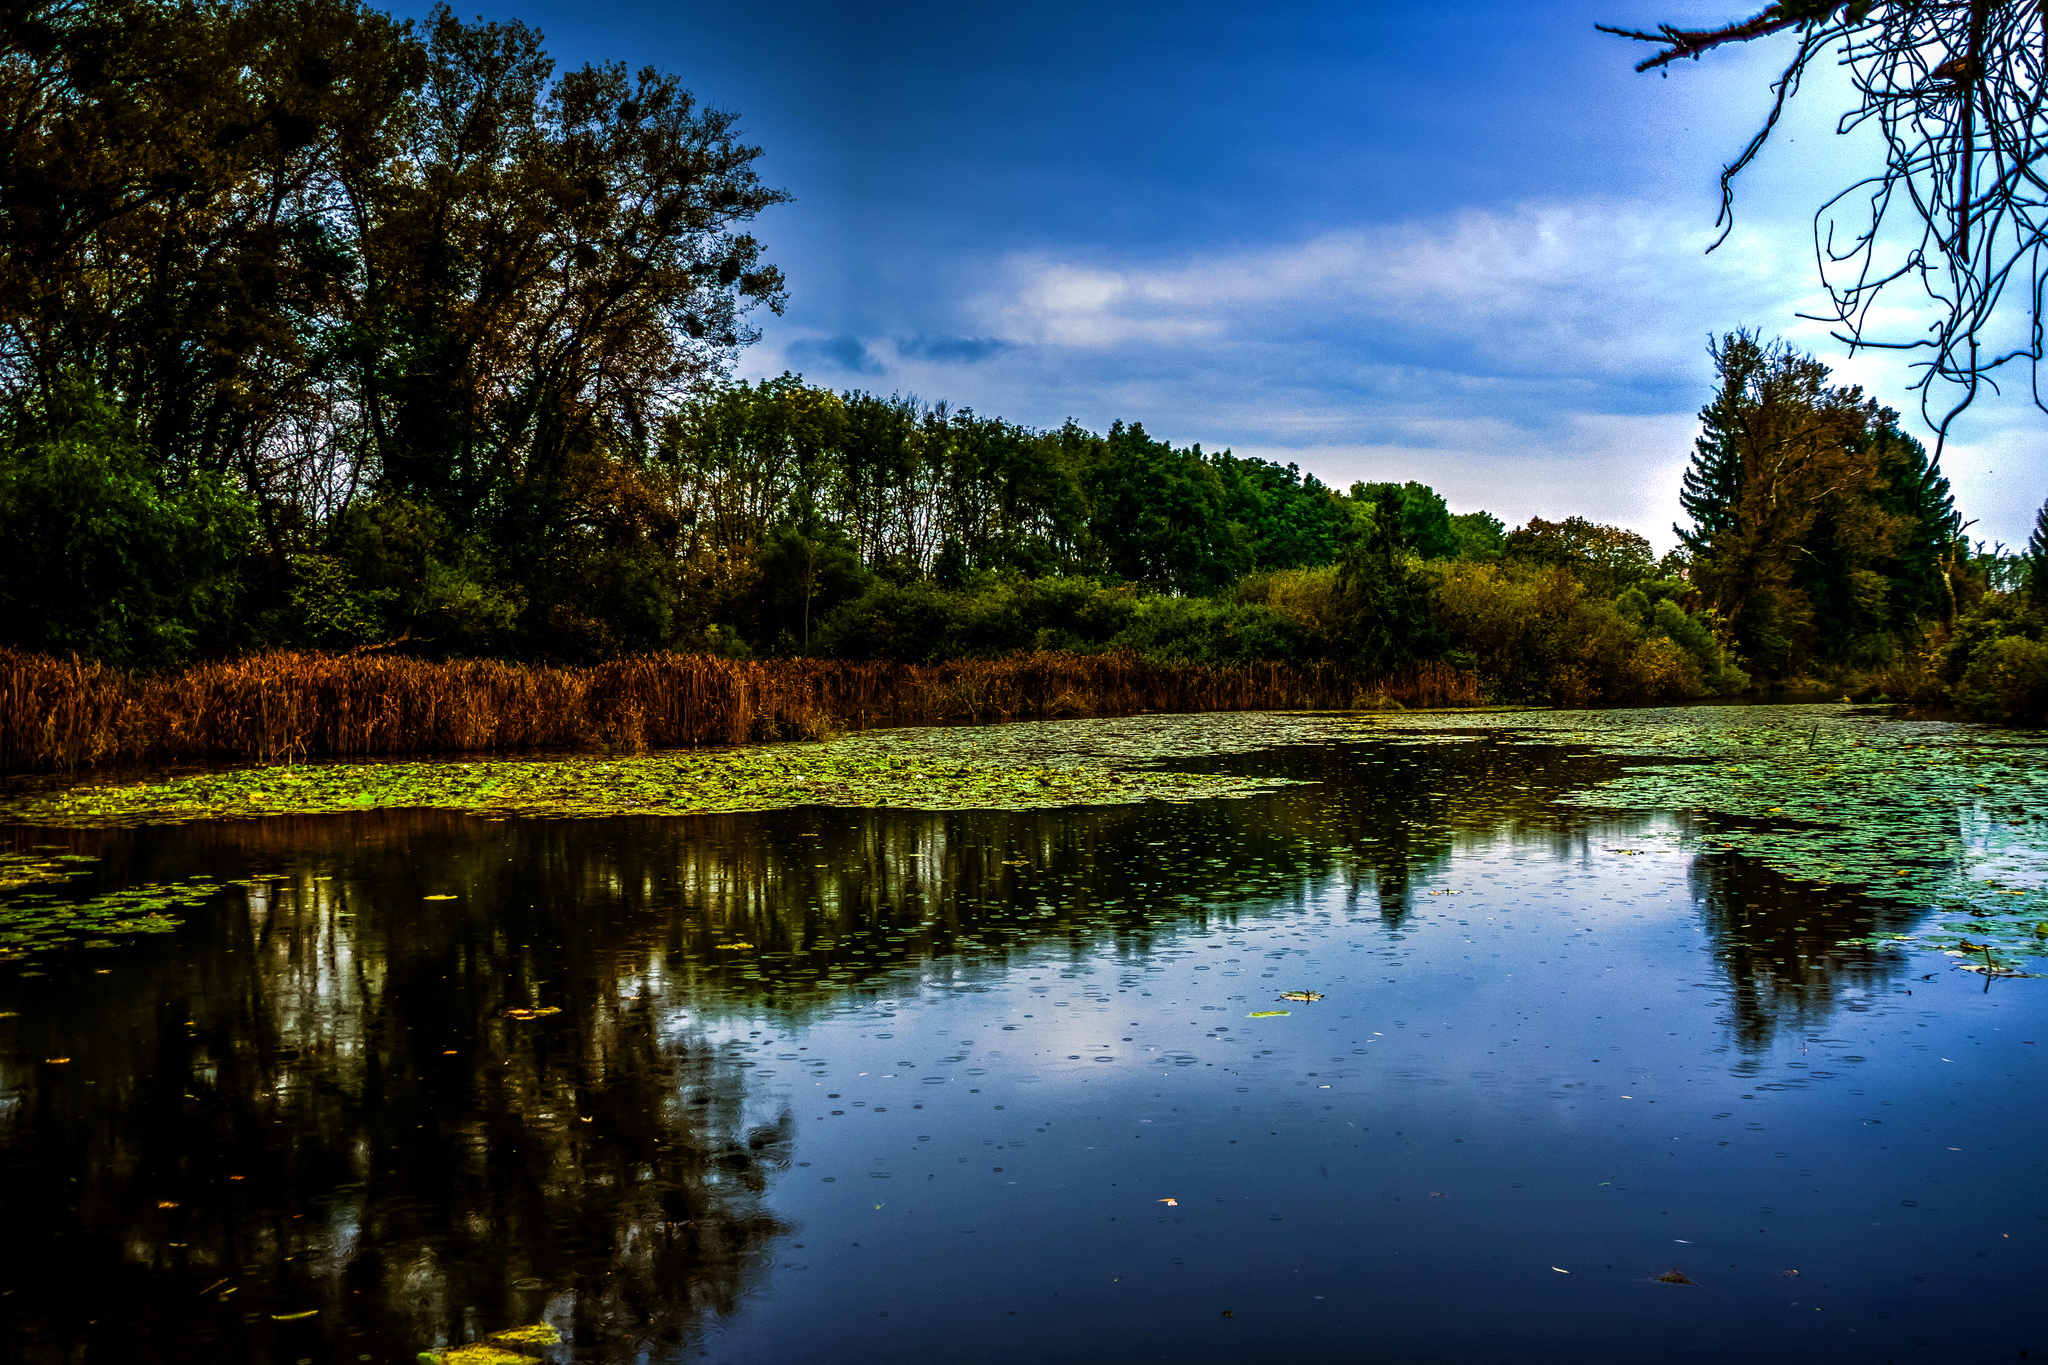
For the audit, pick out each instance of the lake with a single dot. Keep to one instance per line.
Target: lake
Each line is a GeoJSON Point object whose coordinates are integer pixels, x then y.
{"type": "Point", "coordinates": [1590, 1078]}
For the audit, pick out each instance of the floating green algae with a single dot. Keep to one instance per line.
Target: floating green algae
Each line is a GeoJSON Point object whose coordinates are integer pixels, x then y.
{"type": "Point", "coordinates": [880, 770]}
{"type": "Point", "coordinates": [26, 869]}
{"type": "Point", "coordinates": [32, 921]}
{"type": "Point", "coordinates": [1936, 815]}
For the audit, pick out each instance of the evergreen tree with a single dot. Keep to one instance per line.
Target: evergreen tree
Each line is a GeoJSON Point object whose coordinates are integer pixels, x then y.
{"type": "Point", "coordinates": [2037, 558]}
{"type": "Point", "coordinates": [1712, 487]}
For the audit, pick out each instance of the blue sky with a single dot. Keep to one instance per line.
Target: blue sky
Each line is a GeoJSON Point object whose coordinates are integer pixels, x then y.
{"type": "Point", "coordinates": [1457, 243]}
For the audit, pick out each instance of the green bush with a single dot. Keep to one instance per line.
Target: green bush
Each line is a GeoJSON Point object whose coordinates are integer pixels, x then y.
{"type": "Point", "coordinates": [1536, 634]}
{"type": "Point", "coordinates": [1211, 631]}
{"type": "Point", "coordinates": [103, 556]}
{"type": "Point", "coordinates": [2006, 679]}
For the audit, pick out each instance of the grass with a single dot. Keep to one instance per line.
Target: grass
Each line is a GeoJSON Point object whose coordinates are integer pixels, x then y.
{"type": "Point", "coordinates": [283, 707]}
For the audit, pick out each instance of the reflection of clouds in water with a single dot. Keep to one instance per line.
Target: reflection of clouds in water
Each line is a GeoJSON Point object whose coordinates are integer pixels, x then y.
{"type": "Point", "coordinates": [350, 1042]}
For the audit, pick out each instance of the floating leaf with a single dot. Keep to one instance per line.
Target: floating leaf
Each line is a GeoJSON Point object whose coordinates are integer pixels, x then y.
{"type": "Point", "coordinates": [1016, 767]}
{"type": "Point", "coordinates": [540, 1334]}
{"type": "Point", "coordinates": [477, 1353]}
{"type": "Point", "coordinates": [1267, 1014]}
{"type": "Point", "coordinates": [1304, 996]}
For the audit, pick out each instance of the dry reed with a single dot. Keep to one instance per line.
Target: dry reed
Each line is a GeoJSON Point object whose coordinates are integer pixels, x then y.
{"type": "Point", "coordinates": [63, 714]}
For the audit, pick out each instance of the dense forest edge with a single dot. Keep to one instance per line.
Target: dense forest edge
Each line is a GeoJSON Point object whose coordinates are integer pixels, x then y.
{"type": "Point", "coordinates": [371, 365]}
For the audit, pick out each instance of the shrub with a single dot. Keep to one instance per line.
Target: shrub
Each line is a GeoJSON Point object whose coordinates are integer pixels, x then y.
{"type": "Point", "coordinates": [102, 557]}
{"type": "Point", "coordinates": [2006, 679]}
{"type": "Point", "coordinates": [1537, 635]}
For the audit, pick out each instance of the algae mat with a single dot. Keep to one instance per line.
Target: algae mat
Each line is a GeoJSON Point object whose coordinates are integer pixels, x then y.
{"type": "Point", "coordinates": [964, 773]}
{"type": "Point", "coordinates": [1935, 815]}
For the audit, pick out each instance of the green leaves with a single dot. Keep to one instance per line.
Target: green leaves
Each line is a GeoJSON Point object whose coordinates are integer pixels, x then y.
{"type": "Point", "coordinates": [964, 770]}
{"type": "Point", "coordinates": [33, 921]}
{"type": "Point", "coordinates": [1926, 814]}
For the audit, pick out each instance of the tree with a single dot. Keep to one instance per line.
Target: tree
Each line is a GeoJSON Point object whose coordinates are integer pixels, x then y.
{"type": "Point", "coordinates": [1158, 514]}
{"type": "Point", "coordinates": [1958, 204]}
{"type": "Point", "coordinates": [1606, 559]}
{"type": "Point", "coordinates": [2036, 580]}
{"type": "Point", "coordinates": [1820, 531]}
{"type": "Point", "coordinates": [1481, 536]}
{"type": "Point", "coordinates": [1418, 516]}
{"type": "Point", "coordinates": [321, 254]}
{"type": "Point", "coordinates": [1382, 596]}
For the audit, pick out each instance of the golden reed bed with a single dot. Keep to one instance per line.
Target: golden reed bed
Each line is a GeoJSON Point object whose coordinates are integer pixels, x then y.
{"type": "Point", "coordinates": [57, 713]}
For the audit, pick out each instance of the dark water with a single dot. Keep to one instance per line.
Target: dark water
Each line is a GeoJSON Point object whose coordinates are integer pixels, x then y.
{"type": "Point", "coordinates": [982, 1087]}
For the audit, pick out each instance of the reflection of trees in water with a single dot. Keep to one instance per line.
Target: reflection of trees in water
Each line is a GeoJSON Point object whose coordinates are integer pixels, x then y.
{"type": "Point", "coordinates": [327, 1094]}
{"type": "Point", "coordinates": [1775, 939]}
{"type": "Point", "coordinates": [826, 898]}
{"type": "Point", "coordinates": [1401, 810]}
{"type": "Point", "coordinates": [411, 1156]}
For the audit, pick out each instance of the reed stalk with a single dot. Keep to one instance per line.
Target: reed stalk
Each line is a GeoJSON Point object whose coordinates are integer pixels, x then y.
{"type": "Point", "coordinates": [66, 714]}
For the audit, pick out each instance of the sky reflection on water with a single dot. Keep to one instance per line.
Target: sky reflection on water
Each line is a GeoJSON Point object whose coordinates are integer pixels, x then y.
{"type": "Point", "coordinates": [843, 1085]}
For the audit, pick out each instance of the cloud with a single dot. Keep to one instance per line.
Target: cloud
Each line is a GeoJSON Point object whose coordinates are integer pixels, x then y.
{"type": "Point", "coordinates": [839, 352]}
{"type": "Point", "coordinates": [1624, 470]}
{"type": "Point", "coordinates": [1533, 359]}
{"type": "Point", "coordinates": [1570, 289]}
{"type": "Point", "coordinates": [953, 349]}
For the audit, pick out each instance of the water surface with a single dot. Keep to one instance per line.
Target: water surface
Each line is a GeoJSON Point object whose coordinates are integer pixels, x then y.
{"type": "Point", "coordinates": [830, 1084]}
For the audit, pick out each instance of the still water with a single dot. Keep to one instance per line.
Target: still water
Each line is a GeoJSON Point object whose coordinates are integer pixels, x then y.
{"type": "Point", "coordinates": [844, 1085]}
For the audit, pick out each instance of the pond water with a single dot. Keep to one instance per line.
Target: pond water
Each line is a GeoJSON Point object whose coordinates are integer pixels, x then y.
{"type": "Point", "coordinates": [846, 1084]}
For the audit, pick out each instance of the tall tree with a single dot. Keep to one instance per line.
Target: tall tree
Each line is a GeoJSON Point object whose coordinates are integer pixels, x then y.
{"type": "Point", "coordinates": [1819, 530]}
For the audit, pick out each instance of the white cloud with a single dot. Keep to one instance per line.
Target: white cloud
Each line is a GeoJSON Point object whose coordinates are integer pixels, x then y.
{"type": "Point", "coordinates": [1578, 288]}
{"type": "Point", "coordinates": [1623, 470]}
{"type": "Point", "coordinates": [1535, 359]}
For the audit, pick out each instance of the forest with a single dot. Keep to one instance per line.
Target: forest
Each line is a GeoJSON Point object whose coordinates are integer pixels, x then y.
{"type": "Point", "coordinates": [324, 331]}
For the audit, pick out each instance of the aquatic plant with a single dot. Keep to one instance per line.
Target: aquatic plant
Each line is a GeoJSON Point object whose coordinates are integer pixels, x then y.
{"type": "Point", "coordinates": [1931, 814]}
{"type": "Point", "coordinates": [878, 771]}
{"type": "Point", "coordinates": [36, 920]}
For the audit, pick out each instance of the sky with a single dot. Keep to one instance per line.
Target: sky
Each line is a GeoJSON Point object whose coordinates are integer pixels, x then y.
{"type": "Point", "coordinates": [1458, 243]}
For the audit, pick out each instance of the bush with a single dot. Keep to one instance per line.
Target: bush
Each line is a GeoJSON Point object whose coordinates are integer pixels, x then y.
{"type": "Point", "coordinates": [101, 557]}
{"type": "Point", "coordinates": [1309, 599]}
{"type": "Point", "coordinates": [992, 615]}
{"type": "Point", "coordinates": [1537, 635]}
{"type": "Point", "coordinates": [1211, 631]}
{"type": "Point", "coordinates": [2007, 679]}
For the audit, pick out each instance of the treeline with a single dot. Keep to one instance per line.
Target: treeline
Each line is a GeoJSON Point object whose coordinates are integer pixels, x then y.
{"type": "Point", "coordinates": [298, 300]}
{"type": "Point", "coordinates": [324, 331]}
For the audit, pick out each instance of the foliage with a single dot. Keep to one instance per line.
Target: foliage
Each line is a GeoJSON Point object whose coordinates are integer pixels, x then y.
{"type": "Point", "coordinates": [1414, 514]}
{"type": "Point", "coordinates": [1480, 535]}
{"type": "Point", "coordinates": [1821, 535]}
{"type": "Point", "coordinates": [343, 256]}
{"type": "Point", "coordinates": [1607, 559]}
{"type": "Point", "coordinates": [2007, 679]}
{"type": "Point", "coordinates": [1994, 663]}
{"type": "Point", "coordinates": [1538, 634]}
{"type": "Point", "coordinates": [100, 555]}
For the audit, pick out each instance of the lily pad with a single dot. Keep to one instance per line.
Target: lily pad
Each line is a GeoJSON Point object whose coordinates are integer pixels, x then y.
{"type": "Point", "coordinates": [869, 770]}
{"type": "Point", "coordinates": [1934, 815]}
{"type": "Point", "coordinates": [34, 920]}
